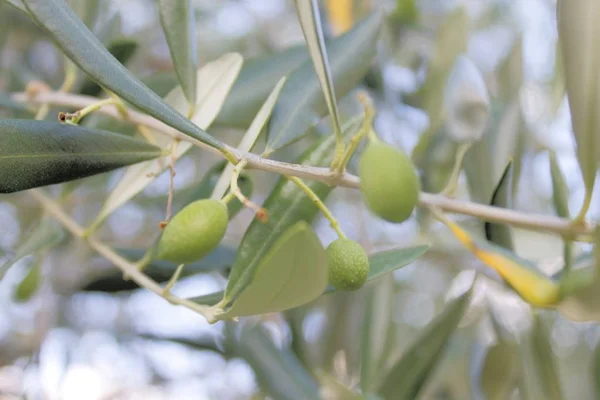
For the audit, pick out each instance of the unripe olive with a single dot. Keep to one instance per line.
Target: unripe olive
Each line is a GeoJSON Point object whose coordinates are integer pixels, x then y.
{"type": "Point", "coordinates": [389, 182]}
{"type": "Point", "coordinates": [193, 232]}
{"type": "Point", "coordinates": [348, 264]}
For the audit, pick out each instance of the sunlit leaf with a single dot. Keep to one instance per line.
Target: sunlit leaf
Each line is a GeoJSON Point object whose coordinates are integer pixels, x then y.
{"type": "Point", "coordinates": [502, 197]}
{"type": "Point", "coordinates": [579, 33]}
{"type": "Point", "coordinates": [544, 361]}
{"type": "Point", "coordinates": [216, 79]}
{"type": "Point", "coordinates": [278, 371]}
{"type": "Point", "coordinates": [85, 50]}
{"type": "Point", "coordinates": [301, 103]}
{"type": "Point", "coordinates": [250, 138]}
{"type": "Point", "coordinates": [310, 20]}
{"type": "Point", "coordinates": [40, 153]}
{"type": "Point", "coordinates": [178, 23]}
{"type": "Point", "coordinates": [292, 273]}
{"type": "Point", "coordinates": [45, 235]}
{"type": "Point", "coordinates": [409, 375]}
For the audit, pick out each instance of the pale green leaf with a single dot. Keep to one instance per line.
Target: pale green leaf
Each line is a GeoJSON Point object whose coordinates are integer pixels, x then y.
{"type": "Point", "coordinates": [579, 33]}
{"type": "Point", "coordinates": [498, 375]}
{"type": "Point", "coordinates": [292, 273]}
{"type": "Point", "coordinates": [85, 50]}
{"type": "Point", "coordinates": [560, 190]}
{"type": "Point", "coordinates": [544, 362]}
{"type": "Point", "coordinates": [178, 23]}
{"type": "Point", "coordinates": [30, 283]}
{"type": "Point", "coordinates": [301, 103]}
{"type": "Point", "coordinates": [250, 138]}
{"type": "Point", "coordinates": [406, 378]}
{"type": "Point", "coordinates": [17, 4]}
{"type": "Point", "coordinates": [216, 79]}
{"type": "Point", "coordinates": [310, 20]}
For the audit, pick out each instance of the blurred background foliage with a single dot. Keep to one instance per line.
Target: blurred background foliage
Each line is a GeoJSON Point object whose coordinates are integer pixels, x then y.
{"type": "Point", "coordinates": [87, 334]}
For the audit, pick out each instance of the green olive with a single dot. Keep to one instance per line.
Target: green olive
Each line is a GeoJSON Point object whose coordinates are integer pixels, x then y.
{"type": "Point", "coordinates": [193, 232]}
{"type": "Point", "coordinates": [348, 264]}
{"type": "Point", "coordinates": [389, 182]}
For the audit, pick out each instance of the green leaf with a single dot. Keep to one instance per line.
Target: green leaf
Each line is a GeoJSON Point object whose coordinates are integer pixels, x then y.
{"type": "Point", "coordinates": [122, 49]}
{"type": "Point", "coordinates": [111, 280]}
{"type": "Point", "coordinates": [257, 79]}
{"type": "Point", "coordinates": [45, 235]}
{"type": "Point", "coordinates": [544, 362]}
{"type": "Point", "coordinates": [301, 103]}
{"type": "Point", "coordinates": [217, 77]}
{"type": "Point", "coordinates": [249, 139]}
{"type": "Point", "coordinates": [579, 33]}
{"type": "Point", "coordinates": [502, 197]}
{"type": "Point", "coordinates": [162, 82]}
{"type": "Point", "coordinates": [29, 285]}
{"type": "Point", "coordinates": [286, 205]}
{"type": "Point", "coordinates": [85, 50]}
{"type": "Point", "coordinates": [596, 370]}
{"type": "Point", "coordinates": [310, 20]}
{"type": "Point", "coordinates": [292, 273]}
{"type": "Point", "coordinates": [560, 190]}
{"type": "Point", "coordinates": [278, 371]}
{"type": "Point", "coordinates": [40, 153]}
{"type": "Point", "coordinates": [179, 25]}
{"type": "Point", "coordinates": [510, 73]}
{"type": "Point", "coordinates": [499, 373]}
{"type": "Point", "coordinates": [380, 264]}
{"type": "Point", "coordinates": [408, 376]}
{"type": "Point", "coordinates": [17, 4]}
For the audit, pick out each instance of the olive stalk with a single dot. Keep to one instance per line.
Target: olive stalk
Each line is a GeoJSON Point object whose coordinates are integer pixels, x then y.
{"type": "Point", "coordinates": [580, 231]}
{"type": "Point", "coordinates": [453, 181]}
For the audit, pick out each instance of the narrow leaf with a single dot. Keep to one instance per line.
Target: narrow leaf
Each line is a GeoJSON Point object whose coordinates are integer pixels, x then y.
{"type": "Point", "coordinates": [544, 361]}
{"type": "Point", "coordinates": [301, 103]}
{"type": "Point", "coordinates": [29, 284]}
{"type": "Point", "coordinates": [216, 79]}
{"type": "Point", "coordinates": [579, 33]}
{"type": "Point", "coordinates": [277, 370]}
{"type": "Point", "coordinates": [310, 20]}
{"type": "Point", "coordinates": [85, 50]}
{"type": "Point", "coordinates": [498, 376]}
{"type": "Point", "coordinates": [250, 138]}
{"type": "Point", "coordinates": [45, 235]}
{"type": "Point", "coordinates": [178, 23]}
{"type": "Point", "coordinates": [502, 197]}
{"type": "Point", "coordinates": [408, 376]}
{"type": "Point", "coordinates": [17, 4]}
{"type": "Point", "coordinates": [40, 153]}
{"type": "Point", "coordinates": [596, 370]}
{"type": "Point", "coordinates": [560, 190]}
{"type": "Point", "coordinates": [292, 273]}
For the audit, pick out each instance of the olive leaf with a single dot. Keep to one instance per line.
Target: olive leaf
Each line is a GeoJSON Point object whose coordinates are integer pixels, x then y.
{"type": "Point", "coordinates": [502, 197]}
{"type": "Point", "coordinates": [498, 373]}
{"type": "Point", "coordinates": [178, 23]}
{"type": "Point", "coordinates": [560, 190]}
{"type": "Point", "coordinates": [310, 20]}
{"type": "Point", "coordinates": [250, 138]}
{"type": "Point", "coordinates": [544, 362]}
{"type": "Point", "coordinates": [579, 32]}
{"type": "Point", "coordinates": [44, 235]}
{"type": "Point", "coordinates": [50, 152]}
{"type": "Point", "coordinates": [17, 4]}
{"type": "Point", "coordinates": [292, 273]}
{"type": "Point", "coordinates": [408, 376]}
{"type": "Point", "coordinates": [216, 79]}
{"type": "Point", "coordinates": [596, 370]}
{"type": "Point", "coordinates": [85, 50]}
{"type": "Point", "coordinates": [30, 283]}
{"type": "Point", "coordinates": [510, 72]}
{"type": "Point", "coordinates": [301, 103]}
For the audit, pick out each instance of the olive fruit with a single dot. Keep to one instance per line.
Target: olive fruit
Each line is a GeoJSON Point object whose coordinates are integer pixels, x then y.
{"type": "Point", "coordinates": [193, 232]}
{"type": "Point", "coordinates": [348, 264]}
{"type": "Point", "coordinates": [389, 182]}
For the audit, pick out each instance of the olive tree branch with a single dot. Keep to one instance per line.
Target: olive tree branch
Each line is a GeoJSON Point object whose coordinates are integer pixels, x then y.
{"type": "Point", "coordinates": [129, 269]}
{"type": "Point", "coordinates": [578, 230]}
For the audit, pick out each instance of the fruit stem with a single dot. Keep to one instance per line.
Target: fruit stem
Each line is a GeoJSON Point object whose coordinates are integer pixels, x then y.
{"type": "Point", "coordinates": [75, 117]}
{"type": "Point", "coordinates": [315, 199]}
{"type": "Point", "coordinates": [174, 278]}
{"type": "Point", "coordinates": [235, 190]}
{"type": "Point", "coordinates": [362, 132]}
{"type": "Point", "coordinates": [453, 181]}
{"type": "Point", "coordinates": [172, 174]}
{"type": "Point", "coordinates": [228, 197]}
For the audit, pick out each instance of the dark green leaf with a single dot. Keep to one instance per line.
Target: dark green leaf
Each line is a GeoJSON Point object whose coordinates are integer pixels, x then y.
{"type": "Point", "coordinates": [29, 284]}
{"type": "Point", "coordinates": [40, 153]}
{"type": "Point", "coordinates": [85, 50]}
{"type": "Point", "coordinates": [406, 379]}
{"type": "Point", "coordinates": [256, 80]}
{"type": "Point", "coordinates": [502, 197]}
{"type": "Point", "coordinates": [278, 371]}
{"type": "Point", "coordinates": [178, 23]}
{"type": "Point", "coordinates": [544, 362]}
{"type": "Point", "coordinates": [45, 235]}
{"type": "Point", "coordinates": [122, 49]}
{"type": "Point", "coordinates": [286, 205]}
{"type": "Point", "coordinates": [301, 102]}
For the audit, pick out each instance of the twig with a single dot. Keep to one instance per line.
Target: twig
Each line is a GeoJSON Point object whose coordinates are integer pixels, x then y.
{"type": "Point", "coordinates": [582, 231]}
